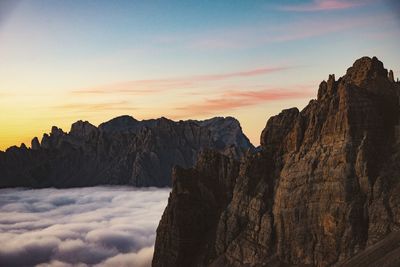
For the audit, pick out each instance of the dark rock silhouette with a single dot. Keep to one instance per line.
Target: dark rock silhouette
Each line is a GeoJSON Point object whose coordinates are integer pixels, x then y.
{"type": "Point", "coordinates": [120, 151]}
{"type": "Point", "coordinates": [391, 76]}
{"type": "Point", "coordinates": [324, 186]}
{"type": "Point", "coordinates": [35, 145]}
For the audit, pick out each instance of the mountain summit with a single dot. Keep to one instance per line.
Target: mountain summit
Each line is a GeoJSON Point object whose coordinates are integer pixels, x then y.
{"type": "Point", "coordinates": [324, 186]}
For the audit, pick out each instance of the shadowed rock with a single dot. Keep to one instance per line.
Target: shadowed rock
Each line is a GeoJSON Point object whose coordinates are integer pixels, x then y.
{"type": "Point", "coordinates": [120, 151]}
{"type": "Point", "coordinates": [35, 145]}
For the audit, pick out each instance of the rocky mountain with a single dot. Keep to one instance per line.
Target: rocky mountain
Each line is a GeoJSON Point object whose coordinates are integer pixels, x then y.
{"type": "Point", "coordinates": [120, 151]}
{"type": "Point", "coordinates": [323, 190]}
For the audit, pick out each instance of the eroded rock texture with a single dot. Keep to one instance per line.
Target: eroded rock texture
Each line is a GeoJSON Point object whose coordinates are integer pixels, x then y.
{"type": "Point", "coordinates": [120, 151]}
{"type": "Point", "coordinates": [323, 187]}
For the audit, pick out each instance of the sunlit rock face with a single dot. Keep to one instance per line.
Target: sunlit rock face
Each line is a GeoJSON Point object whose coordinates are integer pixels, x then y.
{"type": "Point", "coordinates": [120, 151]}
{"type": "Point", "coordinates": [323, 187]}
{"type": "Point", "coordinates": [97, 226]}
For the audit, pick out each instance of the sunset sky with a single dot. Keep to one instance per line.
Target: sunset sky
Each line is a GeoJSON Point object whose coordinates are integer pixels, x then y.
{"type": "Point", "coordinates": [62, 61]}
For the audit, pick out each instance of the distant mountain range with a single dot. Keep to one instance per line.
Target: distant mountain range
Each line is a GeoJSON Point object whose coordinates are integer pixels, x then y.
{"type": "Point", "coordinates": [323, 189]}
{"type": "Point", "coordinates": [122, 151]}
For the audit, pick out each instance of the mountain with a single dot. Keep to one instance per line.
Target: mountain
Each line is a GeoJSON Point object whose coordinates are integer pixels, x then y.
{"type": "Point", "coordinates": [120, 151]}
{"type": "Point", "coordinates": [323, 187]}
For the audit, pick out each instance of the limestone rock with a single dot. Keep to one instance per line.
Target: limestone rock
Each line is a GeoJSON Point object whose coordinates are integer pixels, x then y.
{"type": "Point", "coordinates": [198, 194]}
{"type": "Point", "coordinates": [323, 187]}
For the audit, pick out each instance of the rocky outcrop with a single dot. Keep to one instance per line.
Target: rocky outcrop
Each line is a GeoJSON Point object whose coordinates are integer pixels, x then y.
{"type": "Point", "coordinates": [197, 199]}
{"type": "Point", "coordinates": [120, 151]}
{"type": "Point", "coordinates": [323, 187]}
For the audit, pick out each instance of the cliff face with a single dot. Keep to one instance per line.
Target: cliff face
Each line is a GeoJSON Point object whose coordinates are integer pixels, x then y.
{"type": "Point", "coordinates": [323, 187]}
{"type": "Point", "coordinates": [121, 151]}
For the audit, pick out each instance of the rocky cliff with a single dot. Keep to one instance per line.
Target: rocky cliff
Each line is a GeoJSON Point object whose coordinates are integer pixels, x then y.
{"type": "Point", "coordinates": [120, 151]}
{"type": "Point", "coordinates": [323, 187]}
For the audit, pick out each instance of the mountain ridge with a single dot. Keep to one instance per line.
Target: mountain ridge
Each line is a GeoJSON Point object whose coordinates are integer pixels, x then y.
{"type": "Point", "coordinates": [122, 150]}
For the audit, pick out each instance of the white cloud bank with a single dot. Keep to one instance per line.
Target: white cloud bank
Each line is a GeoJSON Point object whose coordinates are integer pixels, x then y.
{"type": "Point", "coordinates": [97, 226]}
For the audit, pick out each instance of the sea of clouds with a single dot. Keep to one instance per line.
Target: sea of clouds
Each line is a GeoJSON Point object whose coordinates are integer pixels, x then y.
{"type": "Point", "coordinates": [97, 226]}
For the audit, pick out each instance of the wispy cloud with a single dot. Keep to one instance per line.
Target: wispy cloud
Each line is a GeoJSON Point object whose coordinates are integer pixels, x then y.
{"type": "Point", "coordinates": [158, 85]}
{"type": "Point", "coordinates": [324, 5]}
{"type": "Point", "coordinates": [96, 107]}
{"type": "Point", "coordinates": [230, 100]}
{"type": "Point", "coordinates": [259, 35]}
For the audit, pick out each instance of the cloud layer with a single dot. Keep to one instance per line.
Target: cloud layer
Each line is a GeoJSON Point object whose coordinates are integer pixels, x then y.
{"type": "Point", "coordinates": [160, 85]}
{"type": "Point", "coordinates": [98, 226]}
{"type": "Point", "coordinates": [322, 5]}
{"type": "Point", "coordinates": [230, 100]}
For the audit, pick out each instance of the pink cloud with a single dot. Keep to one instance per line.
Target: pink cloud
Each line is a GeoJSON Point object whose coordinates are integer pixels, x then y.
{"type": "Point", "coordinates": [158, 85]}
{"type": "Point", "coordinates": [230, 100]}
{"type": "Point", "coordinates": [96, 107]}
{"type": "Point", "coordinates": [247, 73]}
{"type": "Point", "coordinates": [323, 5]}
{"type": "Point", "coordinates": [308, 29]}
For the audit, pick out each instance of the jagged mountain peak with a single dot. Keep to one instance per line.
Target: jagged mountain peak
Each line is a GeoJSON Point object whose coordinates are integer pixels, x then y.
{"type": "Point", "coordinates": [121, 123]}
{"type": "Point", "coordinates": [366, 68]}
{"type": "Point", "coordinates": [82, 128]}
{"type": "Point", "coordinates": [366, 73]}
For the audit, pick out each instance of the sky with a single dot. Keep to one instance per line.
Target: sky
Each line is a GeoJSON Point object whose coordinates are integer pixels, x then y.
{"type": "Point", "coordinates": [96, 226]}
{"type": "Point", "coordinates": [68, 60]}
